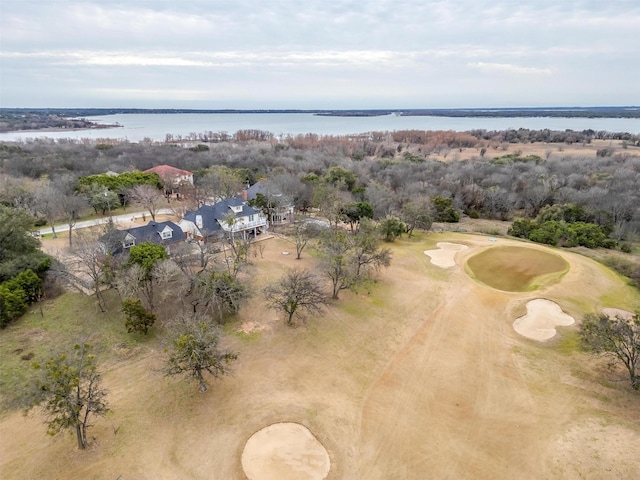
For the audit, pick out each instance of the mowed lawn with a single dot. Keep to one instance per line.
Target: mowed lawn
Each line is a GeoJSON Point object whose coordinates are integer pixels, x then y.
{"type": "Point", "coordinates": [516, 269]}
{"type": "Point", "coordinates": [417, 375]}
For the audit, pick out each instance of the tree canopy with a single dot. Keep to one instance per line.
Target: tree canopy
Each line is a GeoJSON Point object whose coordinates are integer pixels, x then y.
{"type": "Point", "coordinates": [146, 255]}
{"type": "Point", "coordinates": [19, 248]}
{"type": "Point", "coordinates": [615, 337]}
{"type": "Point", "coordinates": [296, 293]}
{"type": "Point", "coordinates": [194, 350]}
{"type": "Point", "coordinates": [124, 180]}
{"type": "Point", "coordinates": [69, 391]}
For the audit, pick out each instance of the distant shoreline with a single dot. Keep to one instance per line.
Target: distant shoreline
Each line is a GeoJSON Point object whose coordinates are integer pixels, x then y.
{"type": "Point", "coordinates": [53, 120]}
{"type": "Point", "coordinates": [95, 126]}
{"type": "Point", "coordinates": [567, 112]}
{"type": "Point", "coordinates": [138, 127]}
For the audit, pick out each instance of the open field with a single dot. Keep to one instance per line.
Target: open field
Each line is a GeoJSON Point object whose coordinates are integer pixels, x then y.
{"type": "Point", "coordinates": [419, 375]}
{"type": "Point", "coordinates": [541, 149]}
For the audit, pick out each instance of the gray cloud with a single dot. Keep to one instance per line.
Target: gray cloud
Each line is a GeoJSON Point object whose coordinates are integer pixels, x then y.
{"type": "Point", "coordinates": [325, 54]}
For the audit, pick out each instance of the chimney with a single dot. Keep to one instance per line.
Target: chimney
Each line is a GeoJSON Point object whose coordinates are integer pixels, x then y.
{"type": "Point", "coordinates": [199, 221]}
{"type": "Point", "coordinates": [244, 195]}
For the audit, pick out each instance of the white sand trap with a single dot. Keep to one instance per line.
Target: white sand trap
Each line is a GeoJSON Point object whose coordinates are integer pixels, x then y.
{"type": "Point", "coordinates": [617, 312]}
{"type": "Point", "coordinates": [445, 255]}
{"type": "Point", "coordinates": [541, 320]}
{"type": "Point", "coordinates": [285, 451]}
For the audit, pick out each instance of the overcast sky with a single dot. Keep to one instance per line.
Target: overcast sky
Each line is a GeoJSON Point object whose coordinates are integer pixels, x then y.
{"type": "Point", "coordinates": [319, 54]}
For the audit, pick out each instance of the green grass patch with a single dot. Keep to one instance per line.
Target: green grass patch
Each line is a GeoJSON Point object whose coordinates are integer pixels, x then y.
{"type": "Point", "coordinates": [569, 343]}
{"type": "Point", "coordinates": [68, 319]}
{"type": "Point", "coordinates": [516, 269]}
{"type": "Point", "coordinates": [247, 336]}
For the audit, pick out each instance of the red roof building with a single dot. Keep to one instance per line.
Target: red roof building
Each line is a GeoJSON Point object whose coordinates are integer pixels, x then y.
{"type": "Point", "coordinates": [172, 175]}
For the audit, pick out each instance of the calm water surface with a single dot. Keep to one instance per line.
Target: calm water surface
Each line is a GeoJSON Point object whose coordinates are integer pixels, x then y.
{"type": "Point", "coordinates": [154, 126]}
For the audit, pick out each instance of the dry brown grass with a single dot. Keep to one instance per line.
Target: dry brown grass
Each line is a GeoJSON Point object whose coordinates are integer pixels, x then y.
{"type": "Point", "coordinates": [515, 269]}
{"type": "Point", "coordinates": [419, 375]}
{"type": "Point", "coordinates": [542, 150]}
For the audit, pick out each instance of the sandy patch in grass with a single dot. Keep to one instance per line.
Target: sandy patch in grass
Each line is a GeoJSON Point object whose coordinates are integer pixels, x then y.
{"type": "Point", "coordinates": [617, 312]}
{"type": "Point", "coordinates": [250, 327]}
{"type": "Point", "coordinates": [445, 255]}
{"type": "Point", "coordinates": [541, 320]}
{"type": "Point", "coordinates": [285, 451]}
{"type": "Point", "coordinates": [594, 449]}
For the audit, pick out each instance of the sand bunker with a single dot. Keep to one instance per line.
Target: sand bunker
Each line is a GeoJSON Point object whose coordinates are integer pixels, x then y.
{"type": "Point", "coordinates": [445, 255]}
{"type": "Point", "coordinates": [617, 312]}
{"type": "Point", "coordinates": [541, 320]}
{"type": "Point", "coordinates": [285, 451]}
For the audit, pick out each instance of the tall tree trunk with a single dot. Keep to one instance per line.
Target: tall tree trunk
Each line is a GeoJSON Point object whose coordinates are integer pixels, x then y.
{"type": "Point", "coordinates": [203, 384]}
{"type": "Point", "coordinates": [100, 298]}
{"type": "Point", "coordinates": [81, 441]}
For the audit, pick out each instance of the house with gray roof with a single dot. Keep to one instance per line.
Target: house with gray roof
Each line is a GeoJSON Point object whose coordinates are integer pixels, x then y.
{"type": "Point", "coordinates": [278, 207]}
{"type": "Point", "coordinates": [229, 217]}
{"type": "Point", "coordinates": [159, 233]}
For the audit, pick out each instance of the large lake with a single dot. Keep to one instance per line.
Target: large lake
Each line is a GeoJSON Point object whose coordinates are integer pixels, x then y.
{"type": "Point", "coordinates": [154, 126]}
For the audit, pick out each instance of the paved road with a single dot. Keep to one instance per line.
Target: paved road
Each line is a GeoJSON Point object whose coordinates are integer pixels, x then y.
{"type": "Point", "coordinates": [125, 217]}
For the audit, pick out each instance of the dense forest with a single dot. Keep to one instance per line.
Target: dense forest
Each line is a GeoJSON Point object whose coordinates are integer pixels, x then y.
{"type": "Point", "coordinates": [388, 169]}
{"type": "Point", "coordinates": [590, 200]}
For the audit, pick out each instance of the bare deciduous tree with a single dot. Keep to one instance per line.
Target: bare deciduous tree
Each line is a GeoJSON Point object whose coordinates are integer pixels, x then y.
{"type": "Point", "coordinates": [365, 250]}
{"type": "Point", "coordinates": [87, 259]}
{"type": "Point", "coordinates": [334, 251]}
{"type": "Point", "coordinates": [47, 205]}
{"type": "Point", "coordinates": [298, 292]}
{"type": "Point", "coordinates": [149, 197]}
{"type": "Point", "coordinates": [304, 232]}
{"type": "Point", "coordinates": [72, 205]}
{"type": "Point", "coordinates": [329, 200]}
{"type": "Point", "coordinates": [220, 292]}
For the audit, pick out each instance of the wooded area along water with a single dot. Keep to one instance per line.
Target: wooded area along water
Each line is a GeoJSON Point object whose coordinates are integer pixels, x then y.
{"type": "Point", "coordinates": [156, 126]}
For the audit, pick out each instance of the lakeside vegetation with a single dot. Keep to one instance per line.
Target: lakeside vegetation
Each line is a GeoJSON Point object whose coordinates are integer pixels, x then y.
{"type": "Point", "coordinates": [17, 119]}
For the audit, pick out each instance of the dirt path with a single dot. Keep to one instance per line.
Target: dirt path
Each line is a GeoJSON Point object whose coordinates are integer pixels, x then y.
{"type": "Point", "coordinates": [457, 375]}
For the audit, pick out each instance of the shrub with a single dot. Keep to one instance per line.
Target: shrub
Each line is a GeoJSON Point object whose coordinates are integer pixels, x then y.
{"type": "Point", "coordinates": [548, 233]}
{"type": "Point", "coordinates": [29, 283]}
{"type": "Point", "coordinates": [473, 213]}
{"type": "Point", "coordinates": [522, 227]}
{"type": "Point", "coordinates": [13, 304]}
{"type": "Point", "coordinates": [584, 234]}
{"type": "Point", "coordinates": [568, 212]}
{"type": "Point", "coordinates": [139, 319]}
{"type": "Point", "coordinates": [391, 228]}
{"type": "Point", "coordinates": [445, 211]}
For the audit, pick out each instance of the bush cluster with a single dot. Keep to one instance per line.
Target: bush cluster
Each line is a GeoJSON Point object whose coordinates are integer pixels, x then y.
{"type": "Point", "coordinates": [564, 225]}
{"type": "Point", "coordinates": [17, 294]}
